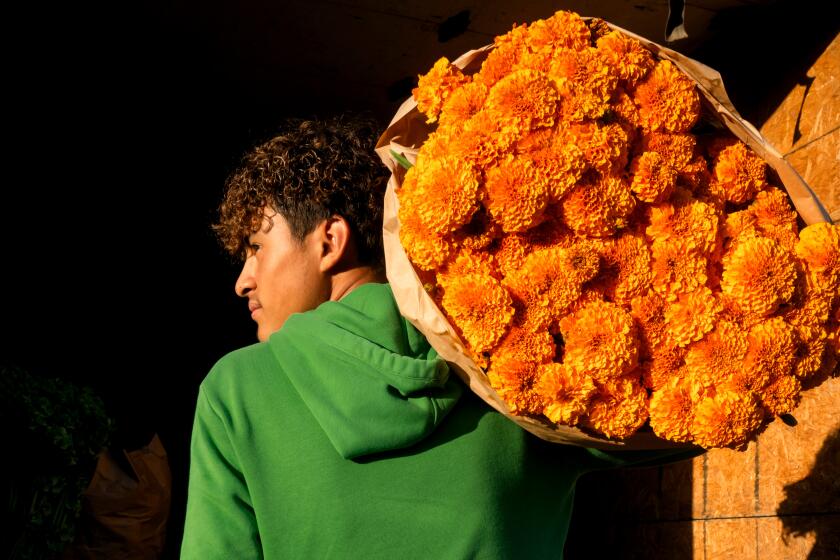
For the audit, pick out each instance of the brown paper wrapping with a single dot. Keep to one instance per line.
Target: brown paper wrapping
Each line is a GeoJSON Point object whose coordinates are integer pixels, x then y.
{"type": "Point", "coordinates": [407, 132]}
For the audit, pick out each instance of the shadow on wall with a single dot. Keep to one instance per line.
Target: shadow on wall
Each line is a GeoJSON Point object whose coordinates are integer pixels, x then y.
{"type": "Point", "coordinates": [812, 505]}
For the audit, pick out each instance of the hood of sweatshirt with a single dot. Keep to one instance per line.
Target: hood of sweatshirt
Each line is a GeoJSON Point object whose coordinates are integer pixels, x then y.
{"type": "Point", "coordinates": [370, 379]}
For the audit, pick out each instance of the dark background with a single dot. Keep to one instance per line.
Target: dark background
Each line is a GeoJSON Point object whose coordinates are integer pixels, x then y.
{"type": "Point", "coordinates": [121, 125]}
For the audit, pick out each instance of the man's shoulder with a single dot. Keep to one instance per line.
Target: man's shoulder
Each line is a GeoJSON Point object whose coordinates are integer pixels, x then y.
{"type": "Point", "coordinates": [236, 371]}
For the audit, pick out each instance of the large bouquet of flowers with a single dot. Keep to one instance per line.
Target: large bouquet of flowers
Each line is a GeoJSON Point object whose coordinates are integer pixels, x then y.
{"type": "Point", "coordinates": [607, 254]}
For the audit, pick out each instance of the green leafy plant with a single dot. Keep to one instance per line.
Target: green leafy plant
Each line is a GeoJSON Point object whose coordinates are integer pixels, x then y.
{"type": "Point", "coordinates": [55, 431]}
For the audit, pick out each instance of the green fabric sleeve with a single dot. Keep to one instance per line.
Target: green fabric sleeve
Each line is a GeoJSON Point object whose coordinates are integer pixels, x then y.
{"type": "Point", "coordinates": [220, 521]}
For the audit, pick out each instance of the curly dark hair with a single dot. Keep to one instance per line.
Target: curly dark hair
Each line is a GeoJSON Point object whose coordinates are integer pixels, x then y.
{"type": "Point", "coordinates": [309, 171]}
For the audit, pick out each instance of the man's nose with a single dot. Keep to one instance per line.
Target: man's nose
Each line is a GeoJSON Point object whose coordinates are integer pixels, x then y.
{"type": "Point", "coordinates": [246, 282]}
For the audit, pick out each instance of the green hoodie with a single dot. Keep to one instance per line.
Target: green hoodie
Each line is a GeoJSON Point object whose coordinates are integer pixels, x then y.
{"type": "Point", "coordinates": [345, 436]}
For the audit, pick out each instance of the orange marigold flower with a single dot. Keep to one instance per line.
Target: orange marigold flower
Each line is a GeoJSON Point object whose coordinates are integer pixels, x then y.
{"type": "Point", "coordinates": [563, 29]}
{"type": "Point", "coordinates": [510, 252]}
{"type": "Point", "coordinates": [601, 341]}
{"type": "Point", "coordinates": [525, 98]}
{"type": "Point", "coordinates": [484, 140]}
{"type": "Point", "coordinates": [810, 349]}
{"type": "Point", "coordinates": [435, 86]}
{"type": "Point", "coordinates": [819, 247]}
{"type": "Point", "coordinates": [759, 275]}
{"type": "Point", "coordinates": [624, 110]}
{"type": "Point", "coordinates": [566, 394]}
{"type": "Point", "coordinates": [585, 82]}
{"type": "Point", "coordinates": [685, 219]}
{"type": "Point", "coordinates": [810, 304]}
{"type": "Point", "coordinates": [479, 234]}
{"type": "Point", "coordinates": [666, 364]}
{"type": "Point", "coordinates": [648, 310]}
{"type": "Point", "coordinates": [467, 262]}
{"type": "Point", "coordinates": [771, 208]}
{"type": "Point", "coordinates": [508, 50]}
{"type": "Point", "coordinates": [516, 194]}
{"type": "Point", "coordinates": [696, 177]}
{"type": "Point", "coordinates": [425, 248]}
{"type": "Point", "coordinates": [672, 411]}
{"type": "Point", "coordinates": [740, 172]}
{"type": "Point", "coordinates": [599, 208]}
{"type": "Point", "coordinates": [463, 104]}
{"type": "Point", "coordinates": [652, 178]}
{"type": "Point", "coordinates": [516, 383]}
{"type": "Point", "coordinates": [677, 268]}
{"type": "Point", "coordinates": [718, 355]}
{"type": "Point", "coordinates": [526, 345]}
{"type": "Point", "coordinates": [782, 395]}
{"type": "Point", "coordinates": [625, 272]}
{"type": "Point", "coordinates": [445, 193]}
{"type": "Point", "coordinates": [740, 225]}
{"type": "Point", "coordinates": [770, 355]}
{"type": "Point", "coordinates": [677, 150]}
{"type": "Point", "coordinates": [618, 409]}
{"type": "Point", "coordinates": [667, 99]}
{"type": "Point", "coordinates": [629, 59]}
{"type": "Point", "coordinates": [480, 307]}
{"type": "Point", "coordinates": [543, 285]}
{"type": "Point", "coordinates": [728, 419]}
{"type": "Point", "coordinates": [559, 162]}
{"type": "Point", "coordinates": [691, 316]}
{"type": "Point", "coordinates": [605, 148]}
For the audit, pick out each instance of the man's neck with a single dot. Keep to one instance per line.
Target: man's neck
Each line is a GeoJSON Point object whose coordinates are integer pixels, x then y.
{"type": "Point", "coordinates": [348, 280]}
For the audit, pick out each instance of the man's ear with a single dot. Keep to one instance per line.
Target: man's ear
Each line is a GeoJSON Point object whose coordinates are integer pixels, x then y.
{"type": "Point", "coordinates": [336, 244]}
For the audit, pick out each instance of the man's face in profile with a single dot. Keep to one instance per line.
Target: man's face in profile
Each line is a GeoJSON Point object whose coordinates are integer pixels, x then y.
{"type": "Point", "coordinates": [280, 275]}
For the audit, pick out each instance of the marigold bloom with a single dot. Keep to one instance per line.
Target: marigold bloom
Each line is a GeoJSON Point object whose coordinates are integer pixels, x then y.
{"type": "Point", "coordinates": [516, 194]}
{"type": "Point", "coordinates": [771, 208]}
{"type": "Point", "coordinates": [728, 419]}
{"type": "Point", "coordinates": [601, 341]}
{"type": "Point", "coordinates": [510, 252]}
{"type": "Point", "coordinates": [467, 262]}
{"type": "Point", "coordinates": [810, 304]}
{"type": "Point", "coordinates": [445, 194]}
{"type": "Point", "coordinates": [667, 99]}
{"type": "Point", "coordinates": [625, 272]}
{"type": "Point", "coordinates": [819, 247]}
{"type": "Point", "coordinates": [691, 316]}
{"type": "Point", "coordinates": [740, 172]}
{"type": "Point", "coordinates": [584, 80]}
{"type": "Point", "coordinates": [685, 220]}
{"type": "Point", "coordinates": [672, 411]}
{"type": "Point", "coordinates": [600, 208]}
{"type": "Point", "coordinates": [652, 178]}
{"type": "Point", "coordinates": [648, 310]}
{"type": "Point", "coordinates": [759, 275]}
{"type": "Point", "coordinates": [543, 285]}
{"type": "Point", "coordinates": [508, 50]}
{"type": "Point", "coordinates": [618, 409]}
{"type": "Point", "coordinates": [770, 355]}
{"type": "Point", "coordinates": [426, 249]}
{"type": "Point", "coordinates": [525, 98]}
{"type": "Point", "coordinates": [605, 148]}
{"type": "Point", "coordinates": [557, 161]}
{"type": "Point", "coordinates": [484, 140]}
{"type": "Point", "coordinates": [463, 103]}
{"type": "Point", "coordinates": [478, 234]}
{"type": "Point", "coordinates": [718, 355]}
{"type": "Point", "coordinates": [624, 110]}
{"type": "Point", "coordinates": [480, 307]}
{"type": "Point", "coordinates": [676, 269]}
{"type": "Point", "coordinates": [627, 57]}
{"type": "Point", "coordinates": [563, 29]}
{"type": "Point", "coordinates": [435, 86]}
{"type": "Point", "coordinates": [666, 364]}
{"type": "Point", "coordinates": [566, 394]}
{"type": "Point", "coordinates": [782, 395]}
{"type": "Point", "coordinates": [696, 177]}
{"type": "Point", "coordinates": [526, 345]}
{"type": "Point", "coordinates": [516, 381]}
{"type": "Point", "coordinates": [810, 350]}
{"type": "Point", "coordinates": [677, 150]}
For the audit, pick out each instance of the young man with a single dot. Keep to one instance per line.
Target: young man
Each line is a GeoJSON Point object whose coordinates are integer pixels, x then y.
{"type": "Point", "coordinates": [342, 434]}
